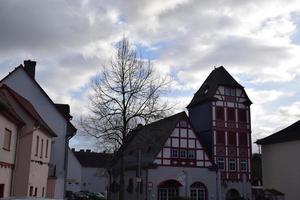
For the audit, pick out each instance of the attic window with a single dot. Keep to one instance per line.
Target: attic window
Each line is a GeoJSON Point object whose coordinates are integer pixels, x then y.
{"type": "Point", "coordinates": [183, 124]}
{"type": "Point", "coordinates": [230, 91]}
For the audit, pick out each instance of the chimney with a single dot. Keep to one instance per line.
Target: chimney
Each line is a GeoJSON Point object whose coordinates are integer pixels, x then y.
{"type": "Point", "coordinates": [88, 150]}
{"type": "Point", "coordinates": [73, 149]}
{"type": "Point", "coordinates": [81, 150]}
{"type": "Point", "coordinates": [29, 67]}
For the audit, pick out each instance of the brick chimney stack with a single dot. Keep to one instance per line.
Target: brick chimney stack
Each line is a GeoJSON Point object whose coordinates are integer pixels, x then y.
{"type": "Point", "coordinates": [29, 67]}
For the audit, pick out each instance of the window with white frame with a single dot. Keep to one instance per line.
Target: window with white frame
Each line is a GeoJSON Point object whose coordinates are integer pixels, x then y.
{"type": "Point", "coordinates": [221, 163]}
{"type": "Point", "coordinates": [232, 164]}
{"type": "Point", "coordinates": [244, 165]}
{"type": "Point", "coordinates": [191, 154]}
{"type": "Point", "coordinates": [182, 153]}
{"type": "Point", "coordinates": [174, 153]}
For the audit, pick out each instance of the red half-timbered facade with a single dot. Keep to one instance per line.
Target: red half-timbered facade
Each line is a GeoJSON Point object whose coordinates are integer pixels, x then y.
{"type": "Point", "coordinates": [183, 149]}
{"type": "Point", "coordinates": [231, 132]}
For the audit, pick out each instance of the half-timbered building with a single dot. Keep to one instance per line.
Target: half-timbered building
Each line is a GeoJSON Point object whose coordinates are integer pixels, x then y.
{"type": "Point", "coordinates": [205, 155]}
{"type": "Point", "coordinates": [220, 113]}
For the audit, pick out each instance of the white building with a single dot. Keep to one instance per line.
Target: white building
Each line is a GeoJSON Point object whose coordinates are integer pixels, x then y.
{"type": "Point", "coordinates": [22, 80]}
{"type": "Point", "coordinates": [87, 171]}
{"type": "Point", "coordinates": [281, 161]}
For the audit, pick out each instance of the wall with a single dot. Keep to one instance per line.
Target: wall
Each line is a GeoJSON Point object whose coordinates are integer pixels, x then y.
{"type": "Point", "coordinates": [38, 173]}
{"type": "Point", "coordinates": [7, 157]}
{"type": "Point", "coordinates": [93, 179]}
{"type": "Point", "coordinates": [22, 84]}
{"type": "Point", "coordinates": [74, 173]}
{"type": "Point", "coordinates": [281, 164]}
{"type": "Point", "coordinates": [156, 176]}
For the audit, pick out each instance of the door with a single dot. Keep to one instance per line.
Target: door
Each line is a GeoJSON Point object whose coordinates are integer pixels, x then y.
{"type": "Point", "coordinates": [1, 190]}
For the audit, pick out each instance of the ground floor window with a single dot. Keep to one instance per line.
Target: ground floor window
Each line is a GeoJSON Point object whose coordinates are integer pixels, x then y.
{"type": "Point", "coordinates": [168, 190]}
{"type": "Point", "coordinates": [198, 191]}
{"type": "Point", "coordinates": [232, 194]}
{"type": "Point", "coordinates": [1, 190]}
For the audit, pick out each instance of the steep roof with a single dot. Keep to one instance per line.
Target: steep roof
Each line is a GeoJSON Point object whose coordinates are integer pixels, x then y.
{"type": "Point", "coordinates": [7, 110]}
{"type": "Point", "coordinates": [21, 67]}
{"type": "Point", "coordinates": [27, 106]}
{"type": "Point", "coordinates": [219, 76]}
{"type": "Point", "coordinates": [93, 159]}
{"type": "Point", "coordinates": [289, 133]}
{"type": "Point", "coordinates": [149, 139]}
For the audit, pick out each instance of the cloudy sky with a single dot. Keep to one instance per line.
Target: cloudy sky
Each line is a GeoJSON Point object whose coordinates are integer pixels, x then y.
{"type": "Point", "coordinates": [257, 41]}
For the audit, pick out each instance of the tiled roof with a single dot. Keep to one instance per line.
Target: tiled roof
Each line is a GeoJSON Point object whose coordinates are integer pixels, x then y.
{"type": "Point", "coordinates": [149, 139]}
{"type": "Point", "coordinates": [28, 107]}
{"type": "Point", "coordinates": [290, 133]}
{"type": "Point", "coordinates": [219, 76]}
{"type": "Point", "coordinates": [93, 159]}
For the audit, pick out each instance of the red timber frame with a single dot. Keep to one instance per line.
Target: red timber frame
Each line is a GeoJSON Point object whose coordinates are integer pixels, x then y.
{"type": "Point", "coordinates": [185, 133]}
{"type": "Point", "coordinates": [235, 151]}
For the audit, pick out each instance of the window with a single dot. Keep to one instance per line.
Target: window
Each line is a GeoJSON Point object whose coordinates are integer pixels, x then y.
{"type": "Point", "coordinates": [42, 148]}
{"type": "Point", "coordinates": [37, 145]}
{"type": "Point", "coordinates": [7, 140]}
{"type": "Point", "coordinates": [219, 113]}
{"type": "Point", "coordinates": [221, 163]}
{"type": "Point", "coordinates": [244, 165]}
{"type": "Point", "coordinates": [230, 91]}
{"type": "Point", "coordinates": [198, 191]}
{"type": "Point", "coordinates": [31, 191]}
{"type": "Point", "coordinates": [230, 114]}
{"type": "Point", "coordinates": [43, 192]}
{"type": "Point", "coordinates": [182, 153]}
{"type": "Point", "coordinates": [191, 154]}
{"type": "Point", "coordinates": [2, 190]}
{"type": "Point", "coordinates": [232, 164]}
{"type": "Point", "coordinates": [242, 115]}
{"type": "Point", "coordinates": [174, 153]}
{"type": "Point", "coordinates": [168, 190]}
{"type": "Point", "coordinates": [243, 139]}
{"type": "Point", "coordinates": [183, 124]}
{"type": "Point", "coordinates": [35, 192]}
{"type": "Point", "coordinates": [220, 137]}
{"type": "Point", "coordinates": [47, 146]}
{"type": "Point", "coordinates": [231, 138]}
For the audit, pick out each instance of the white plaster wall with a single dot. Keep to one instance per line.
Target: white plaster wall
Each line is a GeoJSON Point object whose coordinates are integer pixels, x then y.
{"type": "Point", "coordinates": [7, 156]}
{"type": "Point", "coordinates": [21, 83]}
{"type": "Point", "coordinates": [281, 168]}
{"type": "Point", "coordinates": [74, 173]}
{"type": "Point", "coordinates": [93, 179]}
{"type": "Point", "coordinates": [38, 173]}
{"type": "Point", "coordinates": [160, 174]}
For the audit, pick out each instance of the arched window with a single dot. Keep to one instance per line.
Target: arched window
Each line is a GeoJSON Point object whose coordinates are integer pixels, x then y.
{"type": "Point", "coordinates": [198, 191]}
{"type": "Point", "coordinates": [168, 190]}
{"type": "Point", "coordinates": [232, 194]}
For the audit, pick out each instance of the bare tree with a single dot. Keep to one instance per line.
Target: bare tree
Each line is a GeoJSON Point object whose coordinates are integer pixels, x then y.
{"type": "Point", "coordinates": [126, 93]}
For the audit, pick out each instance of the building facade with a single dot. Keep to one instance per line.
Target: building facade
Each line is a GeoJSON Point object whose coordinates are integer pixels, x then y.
{"type": "Point", "coordinates": [281, 161]}
{"type": "Point", "coordinates": [22, 80]}
{"type": "Point", "coordinates": [10, 123]}
{"type": "Point", "coordinates": [88, 171]}
{"type": "Point", "coordinates": [220, 113]}
{"type": "Point", "coordinates": [205, 155]}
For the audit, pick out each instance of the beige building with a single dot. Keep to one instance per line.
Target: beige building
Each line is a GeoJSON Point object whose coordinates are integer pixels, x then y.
{"type": "Point", "coordinates": [9, 125]}
{"type": "Point", "coordinates": [33, 147]}
{"type": "Point", "coordinates": [281, 161]}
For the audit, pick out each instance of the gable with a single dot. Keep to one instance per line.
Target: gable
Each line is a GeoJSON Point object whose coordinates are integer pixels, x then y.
{"type": "Point", "coordinates": [183, 149]}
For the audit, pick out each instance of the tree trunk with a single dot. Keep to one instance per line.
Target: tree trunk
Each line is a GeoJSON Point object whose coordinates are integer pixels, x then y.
{"type": "Point", "coordinates": [122, 181]}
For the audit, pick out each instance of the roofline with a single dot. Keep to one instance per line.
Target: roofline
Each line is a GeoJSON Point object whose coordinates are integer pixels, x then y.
{"type": "Point", "coordinates": [48, 129]}
{"type": "Point", "coordinates": [43, 91]}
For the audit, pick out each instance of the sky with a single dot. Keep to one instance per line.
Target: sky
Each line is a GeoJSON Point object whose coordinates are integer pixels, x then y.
{"type": "Point", "coordinates": [257, 41]}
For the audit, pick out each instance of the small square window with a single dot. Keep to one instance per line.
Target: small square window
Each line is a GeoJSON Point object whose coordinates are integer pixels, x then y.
{"type": "Point", "coordinates": [183, 124]}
